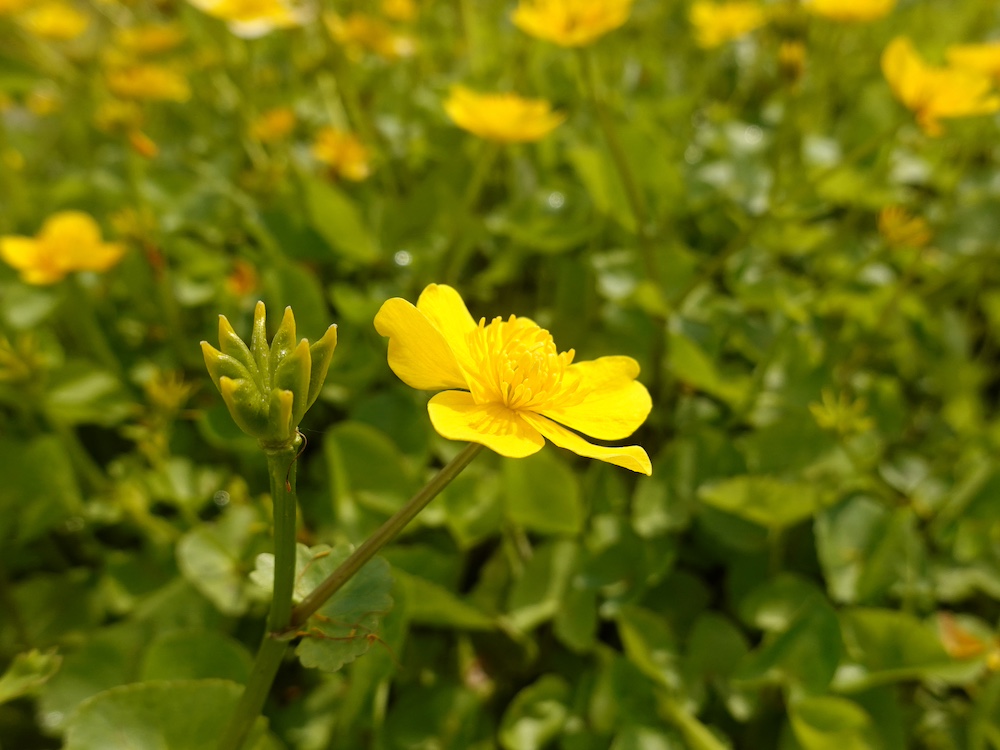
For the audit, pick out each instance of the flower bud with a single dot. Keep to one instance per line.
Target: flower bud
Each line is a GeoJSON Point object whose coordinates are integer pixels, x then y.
{"type": "Point", "coordinates": [268, 389]}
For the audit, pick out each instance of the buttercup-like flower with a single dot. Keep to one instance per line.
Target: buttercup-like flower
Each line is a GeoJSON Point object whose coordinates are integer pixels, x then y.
{"type": "Point", "coordinates": [148, 82]}
{"type": "Point", "coordinates": [274, 125]}
{"type": "Point", "coordinates": [984, 58]}
{"type": "Point", "coordinates": [899, 228]}
{"type": "Point", "coordinates": [359, 33]}
{"type": "Point", "coordinates": [151, 39]}
{"type": "Point", "coordinates": [9, 7]}
{"type": "Point", "coordinates": [570, 23]}
{"type": "Point", "coordinates": [507, 118]}
{"type": "Point", "coordinates": [935, 93]}
{"type": "Point", "coordinates": [851, 10]}
{"type": "Point", "coordinates": [68, 241]}
{"type": "Point", "coordinates": [57, 21]}
{"type": "Point", "coordinates": [254, 18]}
{"type": "Point", "coordinates": [268, 389]}
{"type": "Point", "coordinates": [505, 385]}
{"type": "Point", "coordinates": [718, 23]}
{"type": "Point", "coordinates": [343, 153]}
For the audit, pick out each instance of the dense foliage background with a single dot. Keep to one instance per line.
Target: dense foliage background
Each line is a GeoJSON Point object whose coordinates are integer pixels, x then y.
{"type": "Point", "coordinates": [815, 561]}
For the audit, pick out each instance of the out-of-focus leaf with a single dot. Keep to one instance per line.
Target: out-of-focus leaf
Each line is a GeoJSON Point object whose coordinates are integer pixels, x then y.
{"type": "Point", "coordinates": [28, 672]}
{"type": "Point", "coordinates": [542, 494]}
{"type": "Point", "coordinates": [85, 394]}
{"type": "Point", "coordinates": [335, 217]}
{"type": "Point", "coordinates": [828, 722]}
{"type": "Point", "coordinates": [195, 655]}
{"type": "Point", "coordinates": [768, 501]}
{"type": "Point", "coordinates": [650, 645]}
{"type": "Point", "coordinates": [430, 603]}
{"type": "Point", "coordinates": [290, 284]}
{"type": "Point", "coordinates": [39, 490]}
{"type": "Point", "coordinates": [537, 594]}
{"type": "Point", "coordinates": [536, 715]}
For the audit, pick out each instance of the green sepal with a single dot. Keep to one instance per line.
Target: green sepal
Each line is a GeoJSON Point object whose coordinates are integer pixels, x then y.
{"type": "Point", "coordinates": [292, 374]}
{"type": "Point", "coordinates": [283, 342]}
{"type": "Point", "coordinates": [232, 345]}
{"type": "Point", "coordinates": [221, 365]}
{"type": "Point", "coordinates": [258, 346]}
{"type": "Point", "coordinates": [321, 354]}
{"type": "Point", "coordinates": [243, 401]}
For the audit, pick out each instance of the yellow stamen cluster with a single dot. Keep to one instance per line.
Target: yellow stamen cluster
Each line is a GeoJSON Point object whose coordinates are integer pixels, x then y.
{"type": "Point", "coordinates": [521, 367]}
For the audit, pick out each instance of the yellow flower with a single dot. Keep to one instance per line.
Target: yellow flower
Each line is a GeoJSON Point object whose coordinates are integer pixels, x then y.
{"type": "Point", "coordinates": [151, 39]}
{"type": "Point", "coordinates": [149, 82]}
{"type": "Point", "coordinates": [399, 10]}
{"type": "Point", "coordinates": [253, 18]}
{"type": "Point", "coordinates": [343, 153]}
{"type": "Point", "coordinates": [501, 117]}
{"type": "Point", "coordinates": [68, 241]}
{"type": "Point", "coordinates": [359, 33]}
{"type": "Point", "coordinates": [116, 115]}
{"type": "Point", "coordinates": [718, 23]}
{"type": "Point", "coordinates": [792, 59]}
{"type": "Point", "coordinates": [505, 385]}
{"type": "Point", "coordinates": [57, 21]}
{"type": "Point", "coordinates": [44, 101]}
{"type": "Point", "coordinates": [273, 125]}
{"type": "Point", "coordinates": [851, 10]}
{"type": "Point", "coordinates": [899, 228]}
{"type": "Point", "coordinates": [570, 23]}
{"type": "Point", "coordinates": [934, 93]}
{"type": "Point", "coordinates": [9, 7]}
{"type": "Point", "coordinates": [984, 58]}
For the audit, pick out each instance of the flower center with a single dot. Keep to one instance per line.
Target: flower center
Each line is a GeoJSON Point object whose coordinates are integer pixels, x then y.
{"type": "Point", "coordinates": [516, 364]}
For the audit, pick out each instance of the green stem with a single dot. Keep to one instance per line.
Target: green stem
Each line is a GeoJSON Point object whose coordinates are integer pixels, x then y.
{"type": "Point", "coordinates": [620, 159]}
{"type": "Point", "coordinates": [697, 735]}
{"type": "Point", "coordinates": [459, 248]}
{"type": "Point", "coordinates": [385, 534]}
{"type": "Point", "coordinates": [281, 468]}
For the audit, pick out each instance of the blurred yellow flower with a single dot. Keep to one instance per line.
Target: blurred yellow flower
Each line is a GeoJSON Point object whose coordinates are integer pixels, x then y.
{"type": "Point", "coordinates": [982, 57]}
{"type": "Point", "coordinates": [505, 385]}
{"type": "Point", "coordinates": [343, 153]}
{"type": "Point", "coordinates": [507, 118]}
{"type": "Point", "coordinates": [9, 7]}
{"type": "Point", "coordinates": [151, 39]}
{"type": "Point", "coordinates": [570, 23]}
{"type": "Point", "coordinates": [243, 279]}
{"type": "Point", "coordinates": [142, 144]}
{"type": "Point", "coordinates": [68, 241]}
{"type": "Point", "coordinates": [399, 10]}
{"type": "Point", "coordinates": [254, 18]}
{"type": "Point", "coordinates": [148, 82]}
{"type": "Point", "coordinates": [900, 228]}
{"type": "Point", "coordinates": [718, 23]}
{"type": "Point", "coordinates": [851, 10]}
{"type": "Point", "coordinates": [935, 93]}
{"type": "Point", "coordinates": [117, 115]}
{"type": "Point", "coordinates": [44, 101]}
{"type": "Point", "coordinates": [792, 59]}
{"type": "Point", "coordinates": [273, 125]}
{"type": "Point", "coordinates": [359, 33]}
{"type": "Point", "coordinates": [57, 21]}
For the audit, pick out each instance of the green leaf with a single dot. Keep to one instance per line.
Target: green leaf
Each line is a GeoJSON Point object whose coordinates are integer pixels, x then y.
{"type": "Point", "coordinates": [291, 284]}
{"type": "Point", "coordinates": [429, 603]}
{"type": "Point", "coordinates": [212, 558]}
{"type": "Point", "coordinates": [829, 722]}
{"type": "Point", "coordinates": [195, 655]}
{"type": "Point", "coordinates": [179, 715]}
{"type": "Point", "coordinates": [644, 738]}
{"type": "Point", "coordinates": [346, 626]}
{"type": "Point", "coordinates": [28, 672]}
{"type": "Point", "coordinates": [536, 715]}
{"type": "Point", "coordinates": [541, 493]}
{"type": "Point", "coordinates": [335, 217]}
{"type": "Point", "coordinates": [536, 596]}
{"type": "Point", "coordinates": [598, 174]}
{"type": "Point", "coordinates": [82, 393]}
{"type": "Point", "coordinates": [768, 501]}
{"type": "Point", "coordinates": [650, 645]}
{"type": "Point", "coordinates": [39, 490]}
{"type": "Point", "coordinates": [692, 365]}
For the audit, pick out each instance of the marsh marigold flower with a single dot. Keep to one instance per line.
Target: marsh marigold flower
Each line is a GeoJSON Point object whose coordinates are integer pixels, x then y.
{"type": "Point", "coordinates": [934, 93]}
{"type": "Point", "coordinates": [358, 33]}
{"type": "Point", "coordinates": [508, 118]}
{"type": "Point", "coordinates": [399, 10]}
{"type": "Point", "coordinates": [148, 82]}
{"type": "Point", "coordinates": [9, 7]}
{"type": "Point", "coordinates": [274, 125]}
{"type": "Point", "coordinates": [343, 153]}
{"type": "Point", "coordinates": [851, 10]}
{"type": "Point", "coordinates": [150, 39]}
{"type": "Point", "coordinates": [984, 58]}
{"type": "Point", "coordinates": [718, 23]}
{"type": "Point", "coordinates": [505, 385]}
{"type": "Point", "coordinates": [899, 228]}
{"type": "Point", "coordinates": [570, 23]}
{"type": "Point", "coordinates": [254, 18]}
{"type": "Point", "coordinates": [57, 21]}
{"type": "Point", "coordinates": [68, 241]}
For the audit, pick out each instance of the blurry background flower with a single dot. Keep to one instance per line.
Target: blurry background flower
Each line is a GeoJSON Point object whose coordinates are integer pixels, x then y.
{"type": "Point", "coordinates": [507, 118]}
{"type": "Point", "coordinates": [58, 21]}
{"type": "Point", "coordinates": [359, 33]}
{"type": "Point", "coordinates": [570, 23]}
{"type": "Point", "coordinates": [9, 7]}
{"type": "Point", "coordinates": [851, 10]}
{"type": "Point", "coordinates": [934, 93]}
{"type": "Point", "coordinates": [984, 58]}
{"type": "Point", "coordinates": [150, 39]}
{"type": "Point", "coordinates": [148, 82]}
{"type": "Point", "coordinates": [273, 125]}
{"type": "Point", "coordinates": [343, 153]}
{"type": "Point", "coordinates": [399, 10]}
{"type": "Point", "coordinates": [254, 18]}
{"type": "Point", "coordinates": [717, 23]}
{"type": "Point", "coordinates": [899, 228]}
{"type": "Point", "coordinates": [68, 241]}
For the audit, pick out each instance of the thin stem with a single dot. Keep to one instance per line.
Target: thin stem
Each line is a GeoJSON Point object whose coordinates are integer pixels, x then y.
{"type": "Point", "coordinates": [281, 468]}
{"type": "Point", "coordinates": [459, 248]}
{"type": "Point", "coordinates": [620, 159]}
{"type": "Point", "coordinates": [385, 534]}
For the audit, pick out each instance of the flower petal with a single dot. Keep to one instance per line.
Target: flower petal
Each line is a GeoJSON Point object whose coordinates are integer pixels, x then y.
{"type": "Point", "coordinates": [630, 456]}
{"type": "Point", "coordinates": [457, 417]}
{"type": "Point", "coordinates": [446, 311]}
{"type": "Point", "coordinates": [19, 252]}
{"type": "Point", "coordinates": [614, 404]}
{"type": "Point", "coordinates": [419, 354]}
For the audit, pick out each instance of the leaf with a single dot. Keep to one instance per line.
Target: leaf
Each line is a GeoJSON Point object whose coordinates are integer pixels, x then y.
{"type": "Point", "coordinates": [291, 284]}
{"type": "Point", "coordinates": [644, 738]}
{"type": "Point", "coordinates": [829, 722]}
{"type": "Point", "coordinates": [39, 489]}
{"type": "Point", "coordinates": [536, 715]}
{"type": "Point", "coordinates": [429, 603]}
{"type": "Point", "coordinates": [81, 393]}
{"type": "Point", "coordinates": [335, 217]}
{"type": "Point", "coordinates": [346, 626]}
{"type": "Point", "coordinates": [195, 655]}
{"type": "Point", "coordinates": [768, 501]}
{"type": "Point", "coordinates": [691, 365]}
{"type": "Point", "coordinates": [537, 594]}
{"type": "Point", "coordinates": [178, 715]}
{"type": "Point", "coordinates": [596, 171]}
{"type": "Point", "coordinates": [28, 672]}
{"type": "Point", "coordinates": [541, 493]}
{"type": "Point", "coordinates": [650, 645]}
{"type": "Point", "coordinates": [211, 557]}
